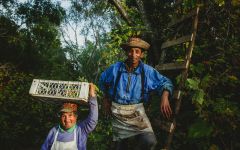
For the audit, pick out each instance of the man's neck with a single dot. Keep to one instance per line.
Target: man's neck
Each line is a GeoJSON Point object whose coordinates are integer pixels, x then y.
{"type": "Point", "coordinates": [130, 67]}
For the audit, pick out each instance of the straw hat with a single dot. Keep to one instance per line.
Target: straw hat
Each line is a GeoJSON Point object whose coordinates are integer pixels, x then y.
{"type": "Point", "coordinates": [135, 42]}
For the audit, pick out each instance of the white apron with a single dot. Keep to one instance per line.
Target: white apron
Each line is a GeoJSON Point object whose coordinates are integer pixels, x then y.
{"type": "Point", "coordinates": [129, 120]}
{"type": "Point", "coordinates": [72, 145]}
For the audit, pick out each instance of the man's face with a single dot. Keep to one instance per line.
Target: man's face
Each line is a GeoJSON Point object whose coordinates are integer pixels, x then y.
{"type": "Point", "coordinates": [134, 55]}
{"type": "Point", "coordinates": [68, 120]}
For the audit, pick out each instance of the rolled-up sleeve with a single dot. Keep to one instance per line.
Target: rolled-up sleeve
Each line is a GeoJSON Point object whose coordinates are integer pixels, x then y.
{"type": "Point", "coordinates": [158, 82]}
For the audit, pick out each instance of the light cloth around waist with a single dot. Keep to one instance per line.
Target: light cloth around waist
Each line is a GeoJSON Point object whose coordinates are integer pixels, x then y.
{"type": "Point", "coordinates": [129, 120]}
{"type": "Point", "coordinates": [127, 109]}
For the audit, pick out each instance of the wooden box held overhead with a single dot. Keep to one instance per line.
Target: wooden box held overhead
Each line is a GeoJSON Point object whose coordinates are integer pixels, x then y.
{"type": "Point", "coordinates": [54, 90]}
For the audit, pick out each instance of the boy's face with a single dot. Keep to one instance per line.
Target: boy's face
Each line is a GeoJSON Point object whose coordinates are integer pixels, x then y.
{"type": "Point", "coordinates": [68, 120]}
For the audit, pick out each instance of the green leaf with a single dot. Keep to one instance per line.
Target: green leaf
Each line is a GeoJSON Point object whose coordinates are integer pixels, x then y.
{"type": "Point", "coordinates": [198, 97]}
{"type": "Point", "coordinates": [233, 78]}
{"type": "Point", "coordinates": [200, 129]}
{"type": "Point", "coordinates": [206, 81]}
{"type": "Point", "coordinates": [220, 2]}
{"type": "Point", "coordinates": [193, 83]}
{"type": "Point", "coordinates": [197, 68]}
{"type": "Point", "coordinates": [225, 107]}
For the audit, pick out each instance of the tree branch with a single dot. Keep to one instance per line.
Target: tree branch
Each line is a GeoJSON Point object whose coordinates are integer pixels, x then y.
{"type": "Point", "coordinates": [122, 11]}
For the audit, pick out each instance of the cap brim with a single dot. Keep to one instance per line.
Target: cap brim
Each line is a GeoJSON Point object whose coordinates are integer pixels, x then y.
{"type": "Point", "coordinates": [66, 110]}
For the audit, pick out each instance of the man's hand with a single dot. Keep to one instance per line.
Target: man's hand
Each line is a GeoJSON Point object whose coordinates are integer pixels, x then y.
{"type": "Point", "coordinates": [107, 107]}
{"type": "Point", "coordinates": [92, 90]}
{"type": "Point", "coordinates": [165, 106]}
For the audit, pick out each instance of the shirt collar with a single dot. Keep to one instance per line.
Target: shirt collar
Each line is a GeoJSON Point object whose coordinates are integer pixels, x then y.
{"type": "Point", "coordinates": [70, 130]}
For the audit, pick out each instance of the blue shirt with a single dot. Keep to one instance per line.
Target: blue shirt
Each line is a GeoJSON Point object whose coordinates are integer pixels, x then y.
{"type": "Point", "coordinates": [128, 90]}
{"type": "Point", "coordinates": [82, 129]}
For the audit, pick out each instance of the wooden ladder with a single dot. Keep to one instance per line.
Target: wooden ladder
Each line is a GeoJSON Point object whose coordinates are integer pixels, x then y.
{"type": "Point", "coordinates": [180, 40]}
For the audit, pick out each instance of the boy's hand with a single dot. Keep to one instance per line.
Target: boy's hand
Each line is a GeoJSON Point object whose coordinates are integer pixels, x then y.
{"type": "Point", "coordinates": [92, 90]}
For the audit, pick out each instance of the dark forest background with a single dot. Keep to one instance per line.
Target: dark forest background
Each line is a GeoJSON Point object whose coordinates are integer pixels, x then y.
{"type": "Point", "coordinates": [35, 44]}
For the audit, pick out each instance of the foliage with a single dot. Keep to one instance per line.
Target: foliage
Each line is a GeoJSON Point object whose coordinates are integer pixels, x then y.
{"type": "Point", "coordinates": [211, 90]}
{"type": "Point", "coordinates": [33, 47]}
{"type": "Point", "coordinates": [101, 138]}
{"type": "Point", "coordinates": [24, 120]}
{"type": "Point", "coordinates": [214, 79]}
{"type": "Point", "coordinates": [30, 41]}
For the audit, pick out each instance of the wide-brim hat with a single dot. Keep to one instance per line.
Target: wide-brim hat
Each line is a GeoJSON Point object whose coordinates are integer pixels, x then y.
{"type": "Point", "coordinates": [136, 42]}
{"type": "Point", "coordinates": [69, 107]}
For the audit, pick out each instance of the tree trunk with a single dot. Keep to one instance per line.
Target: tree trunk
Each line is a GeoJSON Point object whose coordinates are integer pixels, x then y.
{"type": "Point", "coordinates": [152, 55]}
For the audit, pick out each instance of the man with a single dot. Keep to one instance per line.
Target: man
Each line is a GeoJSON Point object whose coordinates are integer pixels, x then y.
{"type": "Point", "coordinates": [126, 86]}
{"type": "Point", "coordinates": [70, 135]}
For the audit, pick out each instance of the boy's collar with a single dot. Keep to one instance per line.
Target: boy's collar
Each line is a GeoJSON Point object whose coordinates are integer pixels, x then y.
{"type": "Point", "coordinates": [70, 130]}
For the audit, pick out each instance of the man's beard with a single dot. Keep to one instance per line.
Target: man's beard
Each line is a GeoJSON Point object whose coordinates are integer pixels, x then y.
{"type": "Point", "coordinates": [131, 61]}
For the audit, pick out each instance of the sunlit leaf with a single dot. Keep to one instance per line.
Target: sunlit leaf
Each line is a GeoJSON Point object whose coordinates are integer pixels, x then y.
{"type": "Point", "coordinates": [193, 83]}
{"type": "Point", "coordinates": [233, 78]}
{"type": "Point", "coordinates": [198, 96]}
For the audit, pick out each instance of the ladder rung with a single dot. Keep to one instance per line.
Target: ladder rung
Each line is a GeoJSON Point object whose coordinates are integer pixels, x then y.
{"type": "Point", "coordinates": [165, 125]}
{"type": "Point", "coordinates": [187, 38]}
{"type": "Point", "coordinates": [172, 66]}
{"type": "Point", "coordinates": [189, 15]}
{"type": "Point", "coordinates": [177, 94]}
